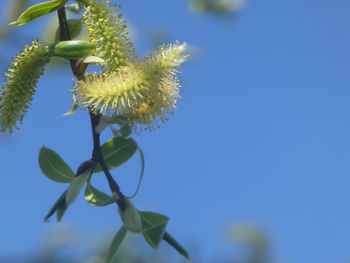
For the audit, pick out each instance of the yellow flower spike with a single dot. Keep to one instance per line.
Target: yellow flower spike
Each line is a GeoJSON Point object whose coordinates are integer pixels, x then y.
{"type": "Point", "coordinates": [17, 92]}
{"type": "Point", "coordinates": [144, 91]}
{"type": "Point", "coordinates": [108, 32]}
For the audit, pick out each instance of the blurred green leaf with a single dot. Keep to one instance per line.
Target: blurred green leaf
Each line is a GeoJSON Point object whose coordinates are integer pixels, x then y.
{"type": "Point", "coordinates": [172, 242]}
{"type": "Point", "coordinates": [131, 217]}
{"type": "Point", "coordinates": [96, 197]}
{"type": "Point", "coordinates": [153, 227]}
{"type": "Point", "coordinates": [76, 186]}
{"type": "Point", "coordinates": [59, 208]}
{"type": "Point", "coordinates": [217, 7]}
{"type": "Point", "coordinates": [74, 26]}
{"type": "Point", "coordinates": [38, 10]}
{"type": "Point", "coordinates": [116, 242]}
{"type": "Point", "coordinates": [75, 8]}
{"type": "Point", "coordinates": [52, 165]}
{"type": "Point", "coordinates": [116, 152]}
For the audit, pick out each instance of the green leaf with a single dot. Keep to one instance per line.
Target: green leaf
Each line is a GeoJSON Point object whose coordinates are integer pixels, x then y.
{"type": "Point", "coordinates": [74, 107]}
{"type": "Point", "coordinates": [59, 208]}
{"type": "Point", "coordinates": [52, 165]}
{"type": "Point", "coordinates": [116, 152]}
{"type": "Point", "coordinates": [74, 27]}
{"type": "Point", "coordinates": [76, 186]}
{"type": "Point", "coordinates": [38, 10]}
{"type": "Point", "coordinates": [96, 197]}
{"type": "Point", "coordinates": [153, 227]}
{"type": "Point", "coordinates": [172, 242]}
{"type": "Point", "coordinates": [116, 242]}
{"type": "Point", "coordinates": [131, 217]}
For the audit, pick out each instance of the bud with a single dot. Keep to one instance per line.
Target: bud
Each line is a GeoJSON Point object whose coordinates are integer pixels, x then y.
{"type": "Point", "coordinates": [72, 49]}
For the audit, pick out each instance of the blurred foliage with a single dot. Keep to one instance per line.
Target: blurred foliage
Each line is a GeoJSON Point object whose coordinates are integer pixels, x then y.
{"type": "Point", "coordinates": [216, 7]}
{"type": "Point", "coordinates": [64, 245]}
{"type": "Point", "coordinates": [13, 10]}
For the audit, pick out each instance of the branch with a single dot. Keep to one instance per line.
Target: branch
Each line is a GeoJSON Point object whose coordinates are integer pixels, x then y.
{"type": "Point", "coordinates": [78, 70]}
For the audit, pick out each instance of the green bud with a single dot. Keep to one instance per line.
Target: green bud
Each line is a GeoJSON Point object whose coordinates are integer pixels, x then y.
{"type": "Point", "coordinates": [72, 49]}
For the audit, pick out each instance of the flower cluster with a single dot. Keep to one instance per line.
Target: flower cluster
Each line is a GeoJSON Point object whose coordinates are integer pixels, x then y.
{"type": "Point", "coordinates": [17, 92]}
{"type": "Point", "coordinates": [142, 90]}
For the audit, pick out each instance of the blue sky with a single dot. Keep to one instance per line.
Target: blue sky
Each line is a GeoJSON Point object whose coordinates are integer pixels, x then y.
{"type": "Point", "coordinates": [262, 134]}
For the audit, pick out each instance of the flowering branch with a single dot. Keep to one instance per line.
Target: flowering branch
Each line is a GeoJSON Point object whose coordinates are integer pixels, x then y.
{"type": "Point", "coordinates": [130, 92]}
{"type": "Point", "coordinates": [97, 156]}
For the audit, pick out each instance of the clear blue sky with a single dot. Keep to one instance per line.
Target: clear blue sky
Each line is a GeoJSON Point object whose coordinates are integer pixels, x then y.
{"type": "Point", "coordinates": [262, 134]}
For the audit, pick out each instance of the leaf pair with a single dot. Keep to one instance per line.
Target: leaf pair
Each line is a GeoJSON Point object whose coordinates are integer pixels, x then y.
{"type": "Point", "coordinates": [153, 226]}
{"type": "Point", "coordinates": [150, 224]}
{"type": "Point", "coordinates": [116, 152]}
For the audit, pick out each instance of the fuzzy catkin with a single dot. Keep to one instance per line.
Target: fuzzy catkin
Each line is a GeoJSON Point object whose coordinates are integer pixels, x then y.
{"type": "Point", "coordinates": [109, 33]}
{"type": "Point", "coordinates": [17, 92]}
{"type": "Point", "coordinates": [144, 91]}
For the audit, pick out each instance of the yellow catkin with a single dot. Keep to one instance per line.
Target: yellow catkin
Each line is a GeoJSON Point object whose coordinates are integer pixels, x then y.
{"type": "Point", "coordinates": [109, 32]}
{"type": "Point", "coordinates": [132, 84]}
{"type": "Point", "coordinates": [156, 107]}
{"type": "Point", "coordinates": [17, 92]}
{"type": "Point", "coordinates": [145, 91]}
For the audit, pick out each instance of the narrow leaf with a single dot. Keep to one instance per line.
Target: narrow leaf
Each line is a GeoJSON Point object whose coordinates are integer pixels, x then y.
{"type": "Point", "coordinates": [76, 186]}
{"type": "Point", "coordinates": [74, 107]}
{"type": "Point", "coordinates": [142, 159]}
{"type": "Point", "coordinates": [96, 197]}
{"type": "Point", "coordinates": [59, 208]}
{"type": "Point", "coordinates": [52, 165]}
{"type": "Point", "coordinates": [172, 242]}
{"type": "Point", "coordinates": [38, 10]}
{"type": "Point", "coordinates": [131, 218]}
{"type": "Point", "coordinates": [116, 242]}
{"type": "Point", "coordinates": [116, 152]}
{"type": "Point", "coordinates": [153, 227]}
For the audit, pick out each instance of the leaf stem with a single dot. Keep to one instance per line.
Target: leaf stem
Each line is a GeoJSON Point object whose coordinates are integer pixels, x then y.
{"type": "Point", "coordinates": [97, 156]}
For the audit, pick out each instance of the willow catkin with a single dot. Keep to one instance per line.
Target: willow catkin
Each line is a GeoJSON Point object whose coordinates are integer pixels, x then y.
{"type": "Point", "coordinates": [17, 92]}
